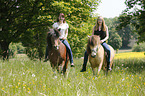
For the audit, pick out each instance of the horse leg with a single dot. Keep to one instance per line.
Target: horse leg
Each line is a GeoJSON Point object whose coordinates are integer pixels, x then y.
{"type": "Point", "coordinates": [105, 69]}
{"type": "Point", "coordinates": [93, 69]}
{"type": "Point", "coordinates": [53, 68]}
{"type": "Point", "coordinates": [61, 67]}
{"type": "Point", "coordinates": [65, 67]}
{"type": "Point", "coordinates": [111, 64]}
{"type": "Point", "coordinates": [58, 68]}
{"type": "Point", "coordinates": [105, 64]}
{"type": "Point", "coordinates": [100, 67]}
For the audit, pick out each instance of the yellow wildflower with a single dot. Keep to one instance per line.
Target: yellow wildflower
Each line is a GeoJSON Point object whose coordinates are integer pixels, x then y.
{"type": "Point", "coordinates": [28, 88]}
{"type": "Point", "coordinates": [19, 83]}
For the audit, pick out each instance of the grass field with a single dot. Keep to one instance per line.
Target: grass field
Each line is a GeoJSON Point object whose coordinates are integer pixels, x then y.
{"type": "Point", "coordinates": [23, 77]}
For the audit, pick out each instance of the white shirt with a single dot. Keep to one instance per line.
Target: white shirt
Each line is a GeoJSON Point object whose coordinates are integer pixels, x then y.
{"type": "Point", "coordinates": [63, 28]}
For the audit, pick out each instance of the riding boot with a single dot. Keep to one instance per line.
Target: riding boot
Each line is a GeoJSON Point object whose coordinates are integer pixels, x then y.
{"type": "Point", "coordinates": [84, 68]}
{"type": "Point", "coordinates": [85, 62]}
{"type": "Point", "coordinates": [108, 66]}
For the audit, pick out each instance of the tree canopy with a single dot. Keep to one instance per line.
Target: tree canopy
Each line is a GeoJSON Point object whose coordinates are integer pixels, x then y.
{"type": "Point", "coordinates": [27, 21]}
{"type": "Point", "coordinates": [135, 17]}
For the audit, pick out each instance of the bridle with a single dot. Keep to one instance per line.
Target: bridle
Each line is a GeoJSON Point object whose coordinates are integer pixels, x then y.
{"type": "Point", "coordinates": [97, 49]}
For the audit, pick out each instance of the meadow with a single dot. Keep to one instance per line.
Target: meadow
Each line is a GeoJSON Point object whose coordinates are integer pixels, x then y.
{"type": "Point", "coordinates": [23, 77]}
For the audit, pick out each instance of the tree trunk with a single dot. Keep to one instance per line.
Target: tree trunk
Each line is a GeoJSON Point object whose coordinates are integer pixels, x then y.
{"type": "Point", "coordinates": [5, 50]}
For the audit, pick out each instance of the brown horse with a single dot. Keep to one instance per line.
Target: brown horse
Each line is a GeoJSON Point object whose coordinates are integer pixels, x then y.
{"type": "Point", "coordinates": [97, 55]}
{"type": "Point", "coordinates": [57, 52]}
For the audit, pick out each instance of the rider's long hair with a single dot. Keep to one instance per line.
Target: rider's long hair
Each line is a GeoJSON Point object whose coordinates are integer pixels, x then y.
{"type": "Point", "coordinates": [103, 27]}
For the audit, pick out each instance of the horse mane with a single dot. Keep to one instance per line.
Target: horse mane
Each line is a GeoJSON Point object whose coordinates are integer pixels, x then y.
{"type": "Point", "coordinates": [92, 41]}
{"type": "Point", "coordinates": [52, 32]}
{"type": "Point", "coordinates": [49, 35]}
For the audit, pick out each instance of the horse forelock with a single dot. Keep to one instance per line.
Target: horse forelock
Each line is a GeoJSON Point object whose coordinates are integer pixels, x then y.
{"type": "Point", "coordinates": [93, 40]}
{"type": "Point", "coordinates": [49, 36]}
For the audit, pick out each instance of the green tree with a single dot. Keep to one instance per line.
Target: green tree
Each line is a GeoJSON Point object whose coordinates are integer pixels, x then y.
{"type": "Point", "coordinates": [115, 41]}
{"type": "Point", "coordinates": [78, 13]}
{"type": "Point", "coordinates": [135, 17]}
{"type": "Point", "coordinates": [114, 38]}
{"type": "Point", "coordinates": [16, 18]}
{"type": "Point", "coordinates": [27, 21]}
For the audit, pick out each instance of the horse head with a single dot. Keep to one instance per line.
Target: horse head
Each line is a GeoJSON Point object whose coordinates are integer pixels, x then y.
{"type": "Point", "coordinates": [53, 38]}
{"type": "Point", "coordinates": [93, 45]}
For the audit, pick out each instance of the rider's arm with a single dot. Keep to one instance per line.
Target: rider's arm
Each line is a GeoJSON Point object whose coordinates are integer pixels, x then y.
{"type": "Point", "coordinates": [107, 35]}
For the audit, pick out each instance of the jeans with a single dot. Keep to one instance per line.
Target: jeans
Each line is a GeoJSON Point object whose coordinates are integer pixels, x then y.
{"type": "Point", "coordinates": [106, 48]}
{"type": "Point", "coordinates": [67, 48]}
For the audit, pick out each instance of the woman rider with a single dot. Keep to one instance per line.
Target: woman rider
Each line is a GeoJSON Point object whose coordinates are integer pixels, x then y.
{"type": "Point", "coordinates": [102, 30]}
{"type": "Point", "coordinates": [63, 27]}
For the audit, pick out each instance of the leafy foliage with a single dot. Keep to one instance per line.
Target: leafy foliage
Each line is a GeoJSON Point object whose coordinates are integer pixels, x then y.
{"type": "Point", "coordinates": [135, 17]}
{"type": "Point", "coordinates": [16, 48]}
{"type": "Point", "coordinates": [115, 41]}
{"type": "Point", "coordinates": [28, 21]}
{"type": "Point", "coordinates": [114, 38]}
{"type": "Point", "coordinates": [139, 48]}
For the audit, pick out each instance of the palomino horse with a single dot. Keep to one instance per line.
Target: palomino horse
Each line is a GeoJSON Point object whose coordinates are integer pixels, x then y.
{"type": "Point", "coordinates": [97, 56]}
{"type": "Point", "coordinates": [57, 52]}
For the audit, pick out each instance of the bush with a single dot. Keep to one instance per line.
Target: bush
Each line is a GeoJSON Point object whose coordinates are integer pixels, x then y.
{"type": "Point", "coordinates": [16, 48]}
{"type": "Point", "coordinates": [115, 41]}
{"type": "Point", "coordinates": [32, 53]}
{"type": "Point", "coordinates": [139, 48]}
{"type": "Point", "coordinates": [12, 49]}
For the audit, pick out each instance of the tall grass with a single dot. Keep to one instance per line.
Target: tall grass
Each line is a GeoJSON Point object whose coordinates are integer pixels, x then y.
{"type": "Point", "coordinates": [23, 77]}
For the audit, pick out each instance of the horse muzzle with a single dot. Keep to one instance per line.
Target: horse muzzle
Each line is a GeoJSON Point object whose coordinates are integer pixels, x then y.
{"type": "Point", "coordinates": [56, 47]}
{"type": "Point", "coordinates": [93, 56]}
